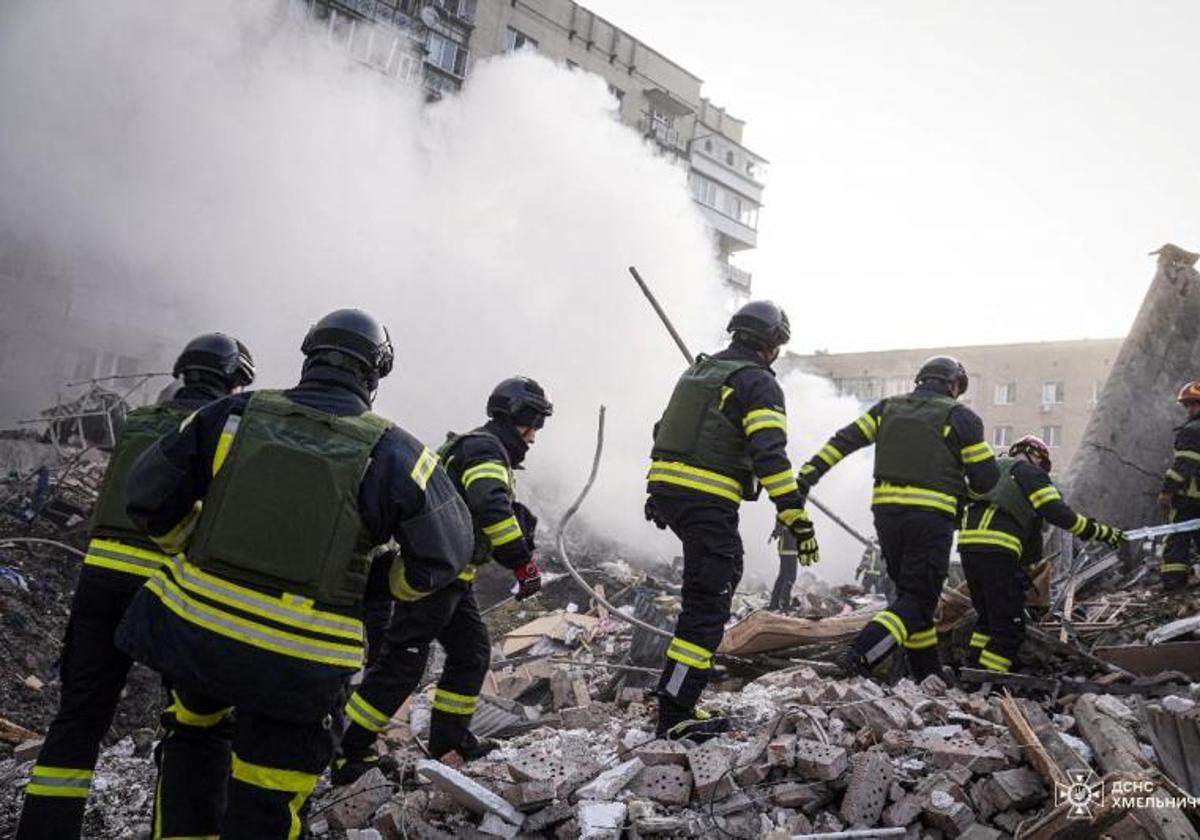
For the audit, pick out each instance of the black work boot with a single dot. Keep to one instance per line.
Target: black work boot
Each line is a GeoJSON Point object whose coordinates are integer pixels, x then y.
{"type": "Point", "coordinates": [346, 770]}
{"type": "Point", "coordinates": [451, 733]}
{"type": "Point", "coordinates": [676, 722]}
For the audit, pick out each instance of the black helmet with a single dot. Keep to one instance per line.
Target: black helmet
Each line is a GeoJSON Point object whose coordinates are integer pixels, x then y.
{"type": "Point", "coordinates": [357, 335]}
{"type": "Point", "coordinates": [217, 353]}
{"type": "Point", "coordinates": [521, 400]}
{"type": "Point", "coordinates": [946, 368]}
{"type": "Point", "coordinates": [761, 323]}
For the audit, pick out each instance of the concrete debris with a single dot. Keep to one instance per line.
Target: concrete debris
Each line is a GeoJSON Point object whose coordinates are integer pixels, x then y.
{"type": "Point", "coordinates": [356, 803]}
{"type": "Point", "coordinates": [611, 782]}
{"type": "Point", "coordinates": [467, 792]}
{"type": "Point", "coordinates": [867, 793]}
{"type": "Point", "coordinates": [601, 820]}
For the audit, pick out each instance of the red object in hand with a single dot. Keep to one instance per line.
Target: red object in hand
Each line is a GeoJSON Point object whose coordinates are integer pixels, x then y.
{"type": "Point", "coordinates": [529, 581]}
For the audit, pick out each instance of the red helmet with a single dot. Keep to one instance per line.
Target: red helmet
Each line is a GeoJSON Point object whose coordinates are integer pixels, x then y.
{"type": "Point", "coordinates": [1034, 446]}
{"type": "Point", "coordinates": [1189, 392]}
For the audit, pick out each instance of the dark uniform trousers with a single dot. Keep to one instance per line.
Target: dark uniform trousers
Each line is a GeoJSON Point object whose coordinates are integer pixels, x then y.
{"type": "Point", "coordinates": [451, 616]}
{"type": "Point", "coordinates": [997, 581]}
{"type": "Point", "coordinates": [916, 550]}
{"type": "Point", "coordinates": [712, 568]}
{"type": "Point", "coordinates": [93, 673]}
{"type": "Point", "coordinates": [377, 607]}
{"type": "Point", "coordinates": [1178, 549]}
{"type": "Point", "coordinates": [781, 593]}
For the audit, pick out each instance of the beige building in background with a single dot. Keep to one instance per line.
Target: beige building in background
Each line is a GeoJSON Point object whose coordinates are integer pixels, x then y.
{"type": "Point", "coordinates": [1045, 388]}
{"type": "Point", "coordinates": [436, 43]}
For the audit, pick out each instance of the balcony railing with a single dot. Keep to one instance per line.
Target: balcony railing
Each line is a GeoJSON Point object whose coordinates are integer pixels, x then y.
{"type": "Point", "coordinates": [737, 277]}
{"type": "Point", "coordinates": [663, 134]}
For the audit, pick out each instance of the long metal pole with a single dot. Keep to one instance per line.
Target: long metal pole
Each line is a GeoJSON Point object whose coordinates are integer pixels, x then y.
{"type": "Point", "coordinates": [662, 315]}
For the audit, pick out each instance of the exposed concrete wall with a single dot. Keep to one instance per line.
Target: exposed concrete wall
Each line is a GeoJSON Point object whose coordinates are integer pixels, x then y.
{"type": "Point", "coordinates": [1127, 444]}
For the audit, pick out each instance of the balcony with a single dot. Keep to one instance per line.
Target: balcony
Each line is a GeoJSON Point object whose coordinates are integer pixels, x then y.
{"type": "Point", "coordinates": [738, 278]}
{"type": "Point", "coordinates": [709, 165]}
{"type": "Point", "coordinates": [666, 136]}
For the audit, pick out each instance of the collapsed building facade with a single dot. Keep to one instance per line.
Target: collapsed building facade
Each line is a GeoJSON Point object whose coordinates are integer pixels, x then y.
{"type": "Point", "coordinates": [1106, 707]}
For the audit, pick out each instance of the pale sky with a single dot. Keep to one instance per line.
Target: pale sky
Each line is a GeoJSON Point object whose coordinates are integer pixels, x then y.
{"type": "Point", "coordinates": [952, 172]}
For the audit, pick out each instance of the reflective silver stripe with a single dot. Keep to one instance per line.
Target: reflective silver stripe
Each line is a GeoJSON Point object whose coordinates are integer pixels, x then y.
{"type": "Point", "coordinates": [699, 479]}
{"type": "Point", "coordinates": [54, 781]}
{"type": "Point", "coordinates": [263, 604]}
{"type": "Point", "coordinates": [506, 534]}
{"type": "Point", "coordinates": [359, 705]}
{"type": "Point", "coordinates": [251, 634]}
{"type": "Point", "coordinates": [677, 678]}
{"type": "Point", "coordinates": [131, 559]}
{"type": "Point", "coordinates": [881, 649]}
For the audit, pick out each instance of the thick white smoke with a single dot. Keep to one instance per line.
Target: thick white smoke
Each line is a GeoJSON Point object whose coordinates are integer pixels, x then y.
{"type": "Point", "coordinates": [263, 178]}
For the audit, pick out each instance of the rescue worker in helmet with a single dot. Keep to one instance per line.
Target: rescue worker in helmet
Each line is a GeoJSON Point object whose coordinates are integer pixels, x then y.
{"type": "Point", "coordinates": [788, 549]}
{"type": "Point", "coordinates": [722, 438]}
{"type": "Point", "coordinates": [1001, 535]}
{"type": "Point", "coordinates": [929, 450]}
{"type": "Point", "coordinates": [1180, 493]}
{"type": "Point", "coordinates": [278, 498]}
{"type": "Point", "coordinates": [482, 464]}
{"type": "Point", "coordinates": [119, 559]}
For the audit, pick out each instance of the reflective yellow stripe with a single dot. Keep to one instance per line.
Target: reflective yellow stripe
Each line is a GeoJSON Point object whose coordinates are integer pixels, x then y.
{"type": "Point", "coordinates": [399, 585]}
{"type": "Point", "coordinates": [287, 781]}
{"type": "Point", "coordinates": [285, 608]}
{"type": "Point", "coordinates": [685, 475]}
{"type": "Point", "coordinates": [1188, 454]}
{"type": "Point", "coordinates": [689, 654]}
{"type": "Point", "coordinates": [488, 469]}
{"type": "Point", "coordinates": [58, 781]}
{"type": "Point", "coordinates": [726, 391]}
{"type": "Point", "coordinates": [1175, 567]}
{"type": "Point", "coordinates": [111, 554]}
{"type": "Point", "coordinates": [780, 483]}
{"type": "Point", "coordinates": [228, 433]}
{"type": "Point", "coordinates": [1044, 496]}
{"type": "Point", "coordinates": [1080, 524]}
{"type": "Point", "coordinates": [808, 470]}
{"type": "Point", "coordinates": [247, 632]}
{"type": "Point", "coordinates": [922, 640]}
{"type": "Point", "coordinates": [895, 494]}
{"type": "Point", "coordinates": [892, 623]}
{"type": "Point", "coordinates": [763, 418]}
{"type": "Point", "coordinates": [366, 715]}
{"type": "Point", "coordinates": [979, 640]}
{"type": "Point", "coordinates": [426, 463]}
{"type": "Point", "coordinates": [999, 539]}
{"type": "Point", "coordinates": [788, 516]}
{"type": "Point", "coordinates": [503, 532]}
{"type": "Point", "coordinates": [200, 720]}
{"type": "Point", "coordinates": [176, 540]}
{"type": "Point", "coordinates": [868, 426]}
{"type": "Point", "coordinates": [1174, 476]}
{"type": "Point", "coordinates": [468, 574]}
{"type": "Point", "coordinates": [994, 662]}
{"type": "Point", "coordinates": [455, 704]}
{"type": "Point", "coordinates": [976, 453]}
{"type": "Point", "coordinates": [830, 454]}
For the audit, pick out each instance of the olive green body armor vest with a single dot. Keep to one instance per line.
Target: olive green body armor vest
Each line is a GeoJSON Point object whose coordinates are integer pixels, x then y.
{"type": "Point", "coordinates": [911, 448]}
{"type": "Point", "coordinates": [282, 512]}
{"type": "Point", "coordinates": [695, 431]}
{"type": "Point", "coordinates": [1008, 497]}
{"type": "Point", "coordinates": [143, 426]}
{"type": "Point", "coordinates": [482, 552]}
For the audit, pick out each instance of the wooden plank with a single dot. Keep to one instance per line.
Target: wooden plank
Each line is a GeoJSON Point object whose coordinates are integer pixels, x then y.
{"type": "Point", "coordinates": [1032, 746]}
{"type": "Point", "coordinates": [1060, 751]}
{"type": "Point", "coordinates": [14, 733]}
{"type": "Point", "coordinates": [1148, 660]}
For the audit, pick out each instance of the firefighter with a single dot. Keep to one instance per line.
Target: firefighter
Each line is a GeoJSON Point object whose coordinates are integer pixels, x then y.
{"type": "Point", "coordinates": [781, 592]}
{"type": "Point", "coordinates": [722, 438]}
{"type": "Point", "coordinates": [119, 559]}
{"type": "Point", "coordinates": [929, 449]}
{"type": "Point", "coordinates": [481, 463]}
{"type": "Point", "coordinates": [1001, 535]}
{"type": "Point", "coordinates": [1180, 494]}
{"type": "Point", "coordinates": [263, 617]}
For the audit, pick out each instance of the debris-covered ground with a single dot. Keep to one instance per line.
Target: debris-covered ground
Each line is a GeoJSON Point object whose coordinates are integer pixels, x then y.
{"type": "Point", "coordinates": [569, 698]}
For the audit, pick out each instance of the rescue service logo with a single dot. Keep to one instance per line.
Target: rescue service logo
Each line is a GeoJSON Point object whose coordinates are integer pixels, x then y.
{"type": "Point", "coordinates": [1084, 792]}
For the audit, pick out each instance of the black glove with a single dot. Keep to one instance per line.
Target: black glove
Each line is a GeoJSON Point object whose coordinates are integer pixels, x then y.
{"type": "Point", "coordinates": [652, 514]}
{"type": "Point", "coordinates": [529, 581]}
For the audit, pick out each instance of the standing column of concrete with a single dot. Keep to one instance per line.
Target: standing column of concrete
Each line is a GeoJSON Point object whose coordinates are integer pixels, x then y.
{"type": "Point", "coordinates": [1126, 447]}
